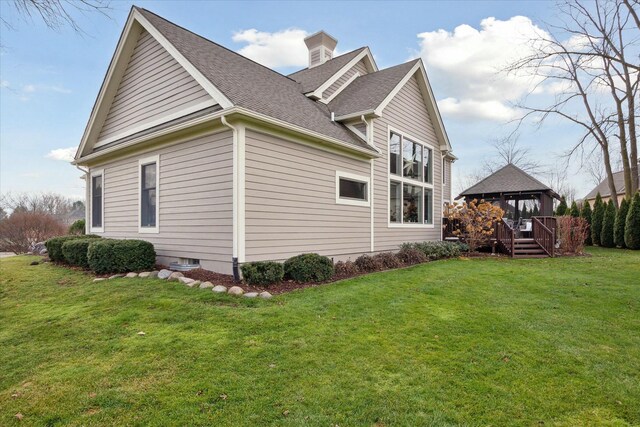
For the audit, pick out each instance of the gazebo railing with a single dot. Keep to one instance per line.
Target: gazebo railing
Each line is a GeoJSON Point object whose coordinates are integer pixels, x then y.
{"type": "Point", "coordinates": [505, 236]}
{"type": "Point", "coordinates": [544, 233]}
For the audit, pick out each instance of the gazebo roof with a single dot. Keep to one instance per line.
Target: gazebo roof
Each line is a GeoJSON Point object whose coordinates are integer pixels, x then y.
{"type": "Point", "coordinates": [508, 179]}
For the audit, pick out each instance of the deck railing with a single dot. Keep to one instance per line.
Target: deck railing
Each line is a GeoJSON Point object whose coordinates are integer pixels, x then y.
{"type": "Point", "coordinates": [544, 233]}
{"type": "Point", "coordinates": [449, 227]}
{"type": "Point", "coordinates": [506, 236]}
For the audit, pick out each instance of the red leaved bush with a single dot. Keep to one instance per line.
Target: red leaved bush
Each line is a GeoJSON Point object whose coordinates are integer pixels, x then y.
{"type": "Point", "coordinates": [20, 231]}
{"type": "Point", "coordinates": [572, 233]}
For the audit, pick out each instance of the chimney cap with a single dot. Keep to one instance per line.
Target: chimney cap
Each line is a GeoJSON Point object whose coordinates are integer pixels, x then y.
{"type": "Point", "coordinates": [321, 38]}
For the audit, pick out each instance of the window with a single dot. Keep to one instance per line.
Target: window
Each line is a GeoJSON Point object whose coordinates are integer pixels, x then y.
{"type": "Point", "coordinates": [149, 179]}
{"type": "Point", "coordinates": [410, 181]}
{"type": "Point", "coordinates": [97, 205]}
{"type": "Point", "coordinates": [352, 189]}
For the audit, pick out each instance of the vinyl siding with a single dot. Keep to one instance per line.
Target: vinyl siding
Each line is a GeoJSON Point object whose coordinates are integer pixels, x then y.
{"type": "Point", "coordinates": [447, 185]}
{"type": "Point", "coordinates": [195, 196]}
{"type": "Point", "coordinates": [291, 201]}
{"type": "Point", "coordinates": [359, 68]}
{"type": "Point", "coordinates": [406, 113]}
{"type": "Point", "coordinates": [154, 86]}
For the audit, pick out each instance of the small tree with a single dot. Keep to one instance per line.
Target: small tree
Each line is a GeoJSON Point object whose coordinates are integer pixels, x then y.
{"type": "Point", "coordinates": [562, 207]}
{"type": "Point", "coordinates": [574, 211]}
{"type": "Point", "coordinates": [572, 233]}
{"type": "Point", "coordinates": [586, 215]}
{"type": "Point", "coordinates": [78, 227]}
{"type": "Point", "coordinates": [632, 225]}
{"type": "Point", "coordinates": [20, 231]}
{"type": "Point", "coordinates": [477, 221]}
{"type": "Point", "coordinates": [606, 235]}
{"type": "Point", "coordinates": [596, 219]}
{"type": "Point", "coordinates": [618, 227]}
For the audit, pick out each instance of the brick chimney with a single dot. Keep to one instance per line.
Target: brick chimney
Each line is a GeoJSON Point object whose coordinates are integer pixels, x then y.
{"type": "Point", "coordinates": [321, 46]}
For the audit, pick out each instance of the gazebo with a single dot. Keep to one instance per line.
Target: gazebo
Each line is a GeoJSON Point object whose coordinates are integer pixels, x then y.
{"type": "Point", "coordinates": [513, 190]}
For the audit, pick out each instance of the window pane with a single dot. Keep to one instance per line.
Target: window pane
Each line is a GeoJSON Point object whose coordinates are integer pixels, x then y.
{"type": "Point", "coordinates": [350, 189]}
{"type": "Point", "coordinates": [428, 165]}
{"type": "Point", "coordinates": [412, 159]}
{"type": "Point", "coordinates": [96, 201]}
{"type": "Point", "coordinates": [148, 196]}
{"type": "Point", "coordinates": [412, 203]}
{"type": "Point", "coordinates": [395, 202]}
{"type": "Point", "coordinates": [394, 154]}
{"type": "Point", "coordinates": [149, 176]}
{"type": "Point", "coordinates": [428, 206]}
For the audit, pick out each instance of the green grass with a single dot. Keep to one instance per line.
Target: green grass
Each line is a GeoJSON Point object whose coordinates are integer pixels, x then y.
{"type": "Point", "coordinates": [471, 342]}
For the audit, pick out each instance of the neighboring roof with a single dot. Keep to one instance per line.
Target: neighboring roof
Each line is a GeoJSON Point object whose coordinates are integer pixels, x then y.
{"type": "Point", "coordinates": [252, 86]}
{"type": "Point", "coordinates": [312, 78]}
{"type": "Point", "coordinates": [509, 179]}
{"type": "Point", "coordinates": [367, 92]}
{"type": "Point", "coordinates": [603, 187]}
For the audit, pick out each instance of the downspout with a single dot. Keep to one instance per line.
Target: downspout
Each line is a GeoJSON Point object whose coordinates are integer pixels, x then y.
{"type": "Point", "coordinates": [369, 126]}
{"type": "Point", "coordinates": [87, 182]}
{"type": "Point", "coordinates": [234, 254]}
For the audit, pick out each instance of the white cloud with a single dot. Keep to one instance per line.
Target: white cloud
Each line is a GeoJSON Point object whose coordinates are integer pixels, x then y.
{"type": "Point", "coordinates": [29, 88]}
{"type": "Point", "coordinates": [283, 48]}
{"type": "Point", "coordinates": [465, 64]}
{"type": "Point", "coordinates": [64, 154]}
{"type": "Point", "coordinates": [4, 84]}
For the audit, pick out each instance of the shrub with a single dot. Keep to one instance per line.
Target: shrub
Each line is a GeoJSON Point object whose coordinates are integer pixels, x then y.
{"type": "Point", "coordinates": [609, 219]}
{"type": "Point", "coordinates": [346, 268]}
{"type": "Point", "coordinates": [562, 207]}
{"type": "Point", "coordinates": [367, 264]}
{"type": "Point", "coordinates": [78, 227]}
{"type": "Point", "coordinates": [596, 219]}
{"type": "Point", "coordinates": [571, 233]}
{"type": "Point", "coordinates": [22, 230]}
{"type": "Point", "coordinates": [632, 225]}
{"type": "Point", "coordinates": [75, 251]}
{"type": "Point", "coordinates": [436, 250]}
{"type": "Point", "coordinates": [477, 221]}
{"type": "Point", "coordinates": [618, 227]}
{"type": "Point", "coordinates": [54, 245]}
{"type": "Point", "coordinates": [388, 260]}
{"type": "Point", "coordinates": [120, 256]}
{"type": "Point", "coordinates": [586, 215]}
{"type": "Point", "coordinates": [410, 256]}
{"type": "Point", "coordinates": [308, 268]}
{"type": "Point", "coordinates": [262, 273]}
{"type": "Point", "coordinates": [574, 211]}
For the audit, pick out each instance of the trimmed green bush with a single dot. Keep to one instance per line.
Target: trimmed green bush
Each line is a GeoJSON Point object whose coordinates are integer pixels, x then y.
{"type": "Point", "coordinates": [606, 235]}
{"type": "Point", "coordinates": [437, 250]}
{"type": "Point", "coordinates": [120, 256]}
{"type": "Point", "coordinates": [596, 219]}
{"type": "Point", "coordinates": [54, 245]}
{"type": "Point", "coordinates": [78, 227]}
{"type": "Point", "coordinates": [586, 214]}
{"type": "Point", "coordinates": [632, 225]}
{"type": "Point", "coordinates": [262, 273]}
{"type": "Point", "coordinates": [308, 268]}
{"type": "Point", "coordinates": [621, 220]}
{"type": "Point", "coordinates": [75, 252]}
{"type": "Point", "coordinates": [574, 211]}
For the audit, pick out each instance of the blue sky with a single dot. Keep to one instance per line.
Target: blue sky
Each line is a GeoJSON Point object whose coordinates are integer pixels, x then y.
{"type": "Point", "coordinates": [49, 79]}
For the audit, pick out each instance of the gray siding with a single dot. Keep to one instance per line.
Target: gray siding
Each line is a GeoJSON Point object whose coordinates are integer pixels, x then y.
{"type": "Point", "coordinates": [154, 86]}
{"type": "Point", "coordinates": [291, 201]}
{"type": "Point", "coordinates": [407, 113]}
{"type": "Point", "coordinates": [447, 184]}
{"type": "Point", "coordinates": [195, 196]}
{"type": "Point", "coordinates": [360, 68]}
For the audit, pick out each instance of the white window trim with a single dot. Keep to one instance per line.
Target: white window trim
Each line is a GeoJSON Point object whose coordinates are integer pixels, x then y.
{"type": "Point", "coordinates": [354, 177]}
{"type": "Point", "coordinates": [142, 162]}
{"type": "Point", "coordinates": [92, 229]}
{"type": "Point", "coordinates": [404, 180]}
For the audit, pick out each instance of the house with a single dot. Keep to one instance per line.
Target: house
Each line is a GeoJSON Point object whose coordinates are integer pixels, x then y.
{"type": "Point", "coordinates": [515, 191]}
{"type": "Point", "coordinates": [218, 160]}
{"type": "Point", "coordinates": [605, 192]}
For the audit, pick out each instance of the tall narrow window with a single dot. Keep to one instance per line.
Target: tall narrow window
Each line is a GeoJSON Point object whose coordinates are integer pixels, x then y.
{"type": "Point", "coordinates": [428, 206]}
{"type": "Point", "coordinates": [96, 202]}
{"type": "Point", "coordinates": [412, 203]}
{"type": "Point", "coordinates": [395, 202]}
{"type": "Point", "coordinates": [394, 154]}
{"type": "Point", "coordinates": [412, 159]}
{"type": "Point", "coordinates": [428, 165]}
{"type": "Point", "coordinates": [149, 195]}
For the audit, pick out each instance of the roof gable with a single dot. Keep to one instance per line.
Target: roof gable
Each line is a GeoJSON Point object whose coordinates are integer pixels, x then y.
{"type": "Point", "coordinates": [507, 179]}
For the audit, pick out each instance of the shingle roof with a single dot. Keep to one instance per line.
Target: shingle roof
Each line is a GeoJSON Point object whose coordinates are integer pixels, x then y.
{"type": "Point", "coordinates": [603, 187]}
{"type": "Point", "coordinates": [250, 85]}
{"type": "Point", "coordinates": [509, 179]}
{"type": "Point", "coordinates": [312, 78]}
{"type": "Point", "coordinates": [367, 92]}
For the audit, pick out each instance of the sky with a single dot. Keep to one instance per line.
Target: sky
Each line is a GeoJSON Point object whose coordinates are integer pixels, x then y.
{"type": "Point", "coordinates": [49, 79]}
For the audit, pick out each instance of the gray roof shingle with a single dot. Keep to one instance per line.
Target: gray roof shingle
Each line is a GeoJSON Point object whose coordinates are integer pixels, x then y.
{"type": "Point", "coordinates": [312, 78]}
{"type": "Point", "coordinates": [603, 187]}
{"type": "Point", "coordinates": [367, 92]}
{"type": "Point", "coordinates": [250, 85]}
{"type": "Point", "coordinates": [508, 179]}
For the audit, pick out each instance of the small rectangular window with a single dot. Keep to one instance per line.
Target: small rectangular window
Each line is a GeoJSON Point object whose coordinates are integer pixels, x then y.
{"type": "Point", "coordinates": [352, 189]}
{"type": "Point", "coordinates": [96, 201]}
{"type": "Point", "coordinates": [149, 178]}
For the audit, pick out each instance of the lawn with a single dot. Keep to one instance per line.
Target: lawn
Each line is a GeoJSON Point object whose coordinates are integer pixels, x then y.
{"type": "Point", "coordinates": [472, 342]}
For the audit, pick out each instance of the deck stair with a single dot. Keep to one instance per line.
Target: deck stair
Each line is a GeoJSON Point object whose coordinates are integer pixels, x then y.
{"type": "Point", "coordinates": [528, 248]}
